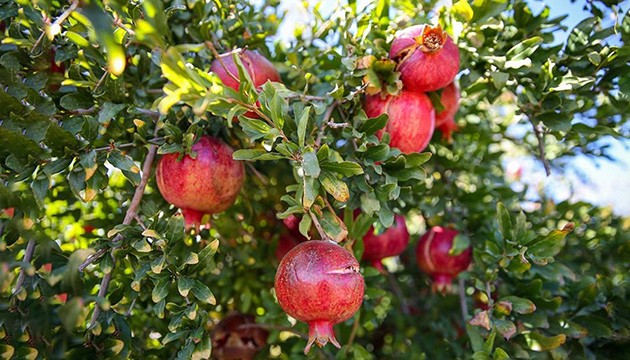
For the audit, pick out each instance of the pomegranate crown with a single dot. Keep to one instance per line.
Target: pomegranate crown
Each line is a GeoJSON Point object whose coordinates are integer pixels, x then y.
{"type": "Point", "coordinates": [432, 38]}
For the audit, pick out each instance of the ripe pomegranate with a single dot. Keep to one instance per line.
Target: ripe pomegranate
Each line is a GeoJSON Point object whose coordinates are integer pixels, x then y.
{"type": "Point", "coordinates": [207, 184]}
{"type": "Point", "coordinates": [258, 67]}
{"type": "Point", "coordinates": [318, 282]}
{"type": "Point", "coordinates": [411, 119]}
{"type": "Point", "coordinates": [445, 119]}
{"type": "Point", "coordinates": [434, 258]}
{"type": "Point", "coordinates": [237, 337]}
{"type": "Point", "coordinates": [428, 59]}
{"type": "Point", "coordinates": [392, 242]}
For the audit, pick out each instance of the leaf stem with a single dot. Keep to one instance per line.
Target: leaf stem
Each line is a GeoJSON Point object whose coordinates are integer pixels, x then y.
{"type": "Point", "coordinates": [541, 146]}
{"type": "Point", "coordinates": [28, 256]}
{"type": "Point", "coordinates": [462, 300]}
{"type": "Point", "coordinates": [132, 211]}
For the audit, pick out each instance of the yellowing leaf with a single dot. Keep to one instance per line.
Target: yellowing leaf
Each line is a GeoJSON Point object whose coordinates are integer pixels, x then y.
{"type": "Point", "coordinates": [462, 10]}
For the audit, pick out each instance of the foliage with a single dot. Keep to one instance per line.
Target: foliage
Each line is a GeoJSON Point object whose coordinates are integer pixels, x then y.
{"type": "Point", "coordinates": [91, 89]}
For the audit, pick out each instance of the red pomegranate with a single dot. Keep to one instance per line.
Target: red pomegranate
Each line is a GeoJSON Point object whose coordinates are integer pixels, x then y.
{"type": "Point", "coordinates": [318, 282]}
{"type": "Point", "coordinates": [445, 119]}
{"type": "Point", "coordinates": [434, 258]}
{"type": "Point", "coordinates": [286, 242]}
{"type": "Point", "coordinates": [411, 119]}
{"type": "Point", "coordinates": [237, 337]}
{"type": "Point", "coordinates": [258, 67]}
{"type": "Point", "coordinates": [428, 59]}
{"type": "Point", "coordinates": [392, 242]}
{"type": "Point", "coordinates": [207, 184]}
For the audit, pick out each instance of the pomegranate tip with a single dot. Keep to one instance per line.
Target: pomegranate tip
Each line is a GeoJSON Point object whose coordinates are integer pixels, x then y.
{"type": "Point", "coordinates": [320, 333]}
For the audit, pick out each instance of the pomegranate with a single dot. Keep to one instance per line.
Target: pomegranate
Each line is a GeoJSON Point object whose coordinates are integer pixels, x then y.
{"type": "Point", "coordinates": [392, 242]}
{"type": "Point", "coordinates": [318, 282]}
{"type": "Point", "coordinates": [411, 119]}
{"type": "Point", "coordinates": [258, 67]}
{"type": "Point", "coordinates": [286, 242]}
{"type": "Point", "coordinates": [428, 59]}
{"type": "Point", "coordinates": [237, 337]}
{"type": "Point", "coordinates": [207, 184]}
{"type": "Point", "coordinates": [445, 119]}
{"type": "Point", "coordinates": [434, 258]}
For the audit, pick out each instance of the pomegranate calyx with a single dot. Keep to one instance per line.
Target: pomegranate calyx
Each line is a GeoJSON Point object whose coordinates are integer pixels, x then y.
{"type": "Point", "coordinates": [192, 218]}
{"type": "Point", "coordinates": [442, 283]}
{"type": "Point", "coordinates": [432, 38]}
{"type": "Point", "coordinates": [320, 332]}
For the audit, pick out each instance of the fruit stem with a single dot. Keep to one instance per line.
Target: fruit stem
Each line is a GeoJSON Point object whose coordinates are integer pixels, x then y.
{"type": "Point", "coordinates": [320, 332]}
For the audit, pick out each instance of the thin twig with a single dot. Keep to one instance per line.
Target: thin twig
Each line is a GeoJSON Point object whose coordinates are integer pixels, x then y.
{"type": "Point", "coordinates": [327, 116]}
{"type": "Point", "coordinates": [214, 51]}
{"type": "Point", "coordinates": [274, 327]}
{"type": "Point", "coordinates": [318, 226]}
{"type": "Point", "coordinates": [353, 333]}
{"type": "Point", "coordinates": [132, 211]}
{"type": "Point", "coordinates": [92, 258]}
{"type": "Point", "coordinates": [151, 113]}
{"type": "Point", "coordinates": [28, 256]}
{"type": "Point", "coordinates": [113, 146]}
{"type": "Point", "coordinates": [462, 300]}
{"type": "Point", "coordinates": [307, 97]}
{"type": "Point", "coordinates": [263, 179]}
{"type": "Point", "coordinates": [398, 291]}
{"type": "Point", "coordinates": [73, 6]}
{"type": "Point", "coordinates": [541, 146]}
{"type": "Point", "coordinates": [87, 111]}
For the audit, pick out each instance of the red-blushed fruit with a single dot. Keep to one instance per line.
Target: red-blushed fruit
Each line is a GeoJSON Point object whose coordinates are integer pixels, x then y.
{"type": "Point", "coordinates": [286, 242]}
{"type": "Point", "coordinates": [428, 59]}
{"type": "Point", "coordinates": [411, 119]}
{"type": "Point", "coordinates": [237, 337]}
{"type": "Point", "coordinates": [207, 184]}
{"type": "Point", "coordinates": [260, 70]}
{"type": "Point", "coordinates": [318, 282]}
{"type": "Point", "coordinates": [435, 260]}
{"type": "Point", "coordinates": [8, 211]}
{"type": "Point", "coordinates": [391, 242]}
{"type": "Point", "coordinates": [445, 119]}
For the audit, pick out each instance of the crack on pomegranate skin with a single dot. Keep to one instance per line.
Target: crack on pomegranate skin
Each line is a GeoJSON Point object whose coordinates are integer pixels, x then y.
{"type": "Point", "coordinates": [350, 269]}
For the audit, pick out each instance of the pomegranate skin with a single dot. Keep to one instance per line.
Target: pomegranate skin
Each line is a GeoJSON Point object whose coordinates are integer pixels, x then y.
{"type": "Point", "coordinates": [411, 119]}
{"type": "Point", "coordinates": [237, 338]}
{"type": "Point", "coordinates": [208, 184]}
{"type": "Point", "coordinates": [434, 259]}
{"type": "Point", "coordinates": [428, 57]}
{"type": "Point", "coordinates": [318, 282]}
{"type": "Point", "coordinates": [392, 242]}
{"type": "Point", "coordinates": [450, 100]}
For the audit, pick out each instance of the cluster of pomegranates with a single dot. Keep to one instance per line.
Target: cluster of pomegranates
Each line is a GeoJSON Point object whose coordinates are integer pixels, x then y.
{"type": "Point", "coordinates": [427, 60]}
{"type": "Point", "coordinates": [318, 281]}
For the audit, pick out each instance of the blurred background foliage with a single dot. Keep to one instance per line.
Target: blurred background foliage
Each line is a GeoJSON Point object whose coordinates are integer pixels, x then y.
{"type": "Point", "coordinates": [91, 89]}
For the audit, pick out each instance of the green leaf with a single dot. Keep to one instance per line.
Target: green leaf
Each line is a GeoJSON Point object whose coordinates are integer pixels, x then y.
{"type": "Point", "coordinates": [520, 305]}
{"type": "Point", "coordinates": [109, 111]}
{"type": "Point", "coordinates": [371, 126]}
{"type": "Point", "coordinates": [160, 291]}
{"type": "Point", "coordinates": [333, 226]}
{"type": "Point", "coordinates": [345, 168]}
{"type": "Point", "coordinates": [311, 191]}
{"type": "Point", "coordinates": [461, 242]}
{"type": "Point", "coordinates": [203, 293]}
{"type": "Point", "coordinates": [184, 285]}
{"type": "Point", "coordinates": [310, 165]}
{"type": "Point", "coordinates": [505, 223]}
{"type": "Point", "coordinates": [369, 203]}
{"type": "Point", "coordinates": [524, 49]}
{"type": "Point", "coordinates": [551, 244]}
{"type": "Point", "coordinates": [335, 187]}
{"type": "Point", "coordinates": [254, 128]}
{"type": "Point", "coordinates": [302, 123]}
{"type": "Point", "coordinates": [506, 328]}
{"type": "Point", "coordinates": [539, 342]}
{"type": "Point", "coordinates": [255, 154]}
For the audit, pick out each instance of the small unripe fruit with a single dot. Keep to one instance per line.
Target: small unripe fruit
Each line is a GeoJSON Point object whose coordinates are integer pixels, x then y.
{"type": "Point", "coordinates": [318, 282]}
{"type": "Point", "coordinates": [434, 258]}
{"type": "Point", "coordinates": [207, 184]}
{"type": "Point", "coordinates": [428, 59]}
{"type": "Point", "coordinates": [411, 119]}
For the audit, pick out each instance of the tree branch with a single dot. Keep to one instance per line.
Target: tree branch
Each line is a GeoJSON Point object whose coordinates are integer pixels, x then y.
{"type": "Point", "coordinates": [327, 116]}
{"type": "Point", "coordinates": [541, 146]}
{"type": "Point", "coordinates": [73, 6]}
{"type": "Point", "coordinates": [132, 211]}
{"type": "Point", "coordinates": [28, 256]}
{"type": "Point", "coordinates": [462, 300]}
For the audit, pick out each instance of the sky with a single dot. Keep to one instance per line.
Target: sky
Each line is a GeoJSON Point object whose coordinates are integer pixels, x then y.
{"type": "Point", "coordinates": [599, 181]}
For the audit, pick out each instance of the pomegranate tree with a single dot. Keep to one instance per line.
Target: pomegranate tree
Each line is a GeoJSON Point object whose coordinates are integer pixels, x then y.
{"type": "Point", "coordinates": [318, 282]}
{"type": "Point", "coordinates": [434, 257]}
{"type": "Point", "coordinates": [237, 337]}
{"type": "Point", "coordinates": [428, 59]}
{"type": "Point", "coordinates": [411, 119]}
{"type": "Point", "coordinates": [206, 184]}
{"type": "Point", "coordinates": [391, 242]}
